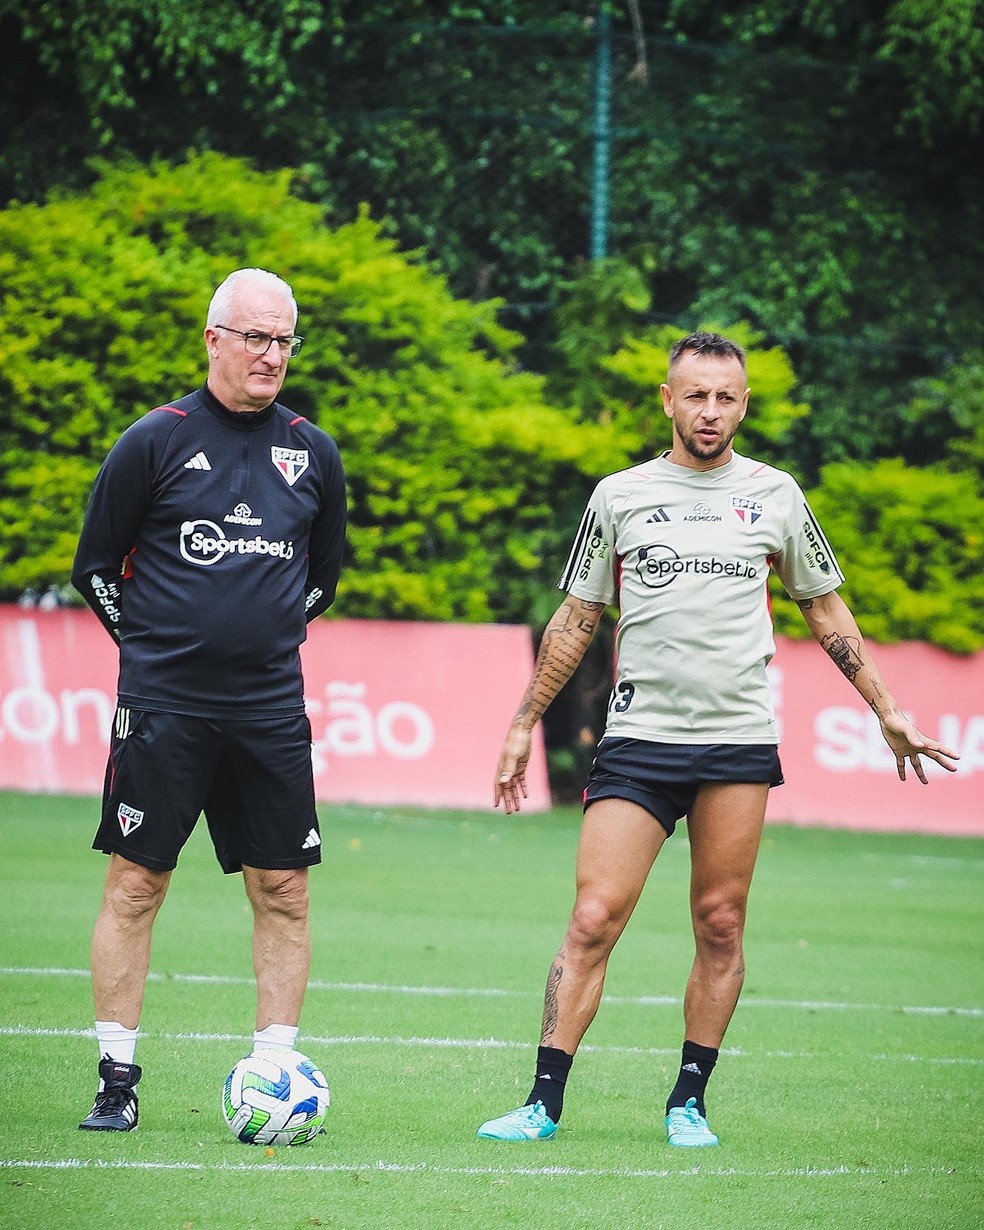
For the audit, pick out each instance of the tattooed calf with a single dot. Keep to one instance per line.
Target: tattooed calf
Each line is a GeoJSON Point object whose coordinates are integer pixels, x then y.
{"type": "Point", "coordinates": [550, 999]}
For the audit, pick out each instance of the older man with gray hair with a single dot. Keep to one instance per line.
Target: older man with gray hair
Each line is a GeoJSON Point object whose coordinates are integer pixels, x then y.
{"type": "Point", "coordinates": [214, 534]}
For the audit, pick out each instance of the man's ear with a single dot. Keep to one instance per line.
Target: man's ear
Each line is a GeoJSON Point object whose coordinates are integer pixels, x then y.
{"type": "Point", "coordinates": [667, 396]}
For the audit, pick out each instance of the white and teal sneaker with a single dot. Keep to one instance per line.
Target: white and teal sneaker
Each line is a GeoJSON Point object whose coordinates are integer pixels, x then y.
{"type": "Point", "coordinates": [687, 1128]}
{"type": "Point", "coordinates": [524, 1123]}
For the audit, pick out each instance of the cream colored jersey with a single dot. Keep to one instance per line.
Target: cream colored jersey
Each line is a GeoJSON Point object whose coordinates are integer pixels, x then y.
{"type": "Point", "coordinates": [685, 556]}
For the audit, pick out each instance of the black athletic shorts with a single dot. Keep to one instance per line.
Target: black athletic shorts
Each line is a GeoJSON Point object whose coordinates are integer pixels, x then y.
{"type": "Point", "coordinates": [664, 777]}
{"type": "Point", "coordinates": [252, 779]}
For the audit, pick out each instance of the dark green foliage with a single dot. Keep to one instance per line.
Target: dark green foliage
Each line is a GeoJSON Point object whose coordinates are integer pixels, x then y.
{"type": "Point", "coordinates": [801, 174]}
{"type": "Point", "coordinates": [912, 545]}
{"type": "Point", "coordinates": [466, 481]}
{"type": "Point", "coordinates": [909, 539]}
{"type": "Point", "coordinates": [805, 168]}
{"type": "Point", "coordinates": [945, 419]}
{"type": "Point", "coordinates": [459, 470]}
{"type": "Point", "coordinates": [613, 362]}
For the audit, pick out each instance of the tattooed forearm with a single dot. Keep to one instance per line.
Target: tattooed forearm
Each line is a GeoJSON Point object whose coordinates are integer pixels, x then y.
{"type": "Point", "coordinates": [835, 628]}
{"type": "Point", "coordinates": [878, 701]}
{"type": "Point", "coordinates": [845, 652]}
{"type": "Point", "coordinates": [550, 1000]}
{"type": "Point", "coordinates": [564, 643]}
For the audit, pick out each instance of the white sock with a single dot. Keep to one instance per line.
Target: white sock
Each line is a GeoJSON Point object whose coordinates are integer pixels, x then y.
{"type": "Point", "coordinates": [116, 1042]}
{"type": "Point", "coordinates": [275, 1038]}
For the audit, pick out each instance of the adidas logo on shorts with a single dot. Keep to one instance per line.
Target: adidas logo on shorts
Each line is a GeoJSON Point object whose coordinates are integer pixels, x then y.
{"type": "Point", "coordinates": [311, 841]}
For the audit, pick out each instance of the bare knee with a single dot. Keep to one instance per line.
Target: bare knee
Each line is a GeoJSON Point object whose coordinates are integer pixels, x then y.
{"type": "Point", "coordinates": [595, 925]}
{"type": "Point", "coordinates": [284, 893]}
{"type": "Point", "coordinates": [131, 892]}
{"type": "Point", "coordinates": [719, 924]}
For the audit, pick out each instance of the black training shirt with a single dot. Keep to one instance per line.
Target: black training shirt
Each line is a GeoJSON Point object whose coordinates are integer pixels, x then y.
{"type": "Point", "coordinates": [211, 538]}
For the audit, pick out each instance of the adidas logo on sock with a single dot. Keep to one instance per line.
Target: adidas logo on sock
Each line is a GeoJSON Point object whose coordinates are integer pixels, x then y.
{"type": "Point", "coordinates": [311, 841]}
{"type": "Point", "coordinates": [691, 1067]}
{"type": "Point", "coordinates": [198, 462]}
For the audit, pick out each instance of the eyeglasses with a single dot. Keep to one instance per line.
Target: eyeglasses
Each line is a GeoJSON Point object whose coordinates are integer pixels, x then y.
{"type": "Point", "coordinates": [259, 343]}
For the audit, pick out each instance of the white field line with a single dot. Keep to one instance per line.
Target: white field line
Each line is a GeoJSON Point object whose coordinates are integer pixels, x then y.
{"type": "Point", "coordinates": [479, 1044]}
{"type": "Point", "coordinates": [938, 860]}
{"type": "Point", "coordinates": [545, 1172]}
{"type": "Point", "coordinates": [747, 1001]}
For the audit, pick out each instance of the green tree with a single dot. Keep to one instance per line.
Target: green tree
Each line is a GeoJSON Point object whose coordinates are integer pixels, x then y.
{"type": "Point", "coordinates": [936, 49]}
{"type": "Point", "coordinates": [801, 167]}
{"type": "Point", "coordinates": [466, 479]}
{"type": "Point", "coordinates": [641, 367]}
{"type": "Point", "coordinates": [912, 547]}
{"type": "Point", "coordinates": [614, 360]}
{"type": "Point", "coordinates": [945, 419]}
{"type": "Point", "coordinates": [454, 457]}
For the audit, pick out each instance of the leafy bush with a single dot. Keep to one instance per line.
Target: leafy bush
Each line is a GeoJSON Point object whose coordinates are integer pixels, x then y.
{"type": "Point", "coordinates": [467, 476]}
{"type": "Point", "coordinates": [457, 466]}
{"type": "Point", "coordinates": [911, 544]}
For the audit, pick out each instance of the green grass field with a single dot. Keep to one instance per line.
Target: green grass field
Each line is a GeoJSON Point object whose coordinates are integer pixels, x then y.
{"type": "Point", "coordinates": [850, 1093]}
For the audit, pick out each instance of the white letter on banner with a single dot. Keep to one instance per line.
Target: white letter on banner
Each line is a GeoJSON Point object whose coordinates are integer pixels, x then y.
{"type": "Point", "coordinates": [970, 746]}
{"type": "Point", "coordinates": [72, 702]}
{"type": "Point", "coordinates": [841, 745]}
{"type": "Point", "coordinates": [418, 718]}
{"type": "Point", "coordinates": [349, 727]}
{"type": "Point", "coordinates": [44, 705]}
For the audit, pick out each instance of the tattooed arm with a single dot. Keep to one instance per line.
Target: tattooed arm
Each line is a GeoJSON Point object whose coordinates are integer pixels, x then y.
{"type": "Point", "coordinates": [565, 642]}
{"type": "Point", "coordinates": [833, 625]}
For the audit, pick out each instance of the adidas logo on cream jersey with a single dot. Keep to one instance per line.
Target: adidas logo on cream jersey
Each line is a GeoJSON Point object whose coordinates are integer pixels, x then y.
{"type": "Point", "coordinates": [198, 462]}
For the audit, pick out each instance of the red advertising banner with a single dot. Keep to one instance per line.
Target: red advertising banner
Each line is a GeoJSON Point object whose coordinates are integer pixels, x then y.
{"type": "Point", "coordinates": [838, 768]}
{"type": "Point", "coordinates": [401, 713]}
{"type": "Point", "coordinates": [413, 714]}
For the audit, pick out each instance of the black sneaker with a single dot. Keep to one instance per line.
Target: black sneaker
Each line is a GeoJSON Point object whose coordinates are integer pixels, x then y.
{"type": "Point", "coordinates": [115, 1107]}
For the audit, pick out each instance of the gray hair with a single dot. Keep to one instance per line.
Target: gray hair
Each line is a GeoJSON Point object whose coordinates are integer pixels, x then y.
{"type": "Point", "coordinates": [221, 303]}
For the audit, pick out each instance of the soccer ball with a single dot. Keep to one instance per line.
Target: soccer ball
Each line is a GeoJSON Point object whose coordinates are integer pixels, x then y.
{"type": "Point", "coordinates": [275, 1098]}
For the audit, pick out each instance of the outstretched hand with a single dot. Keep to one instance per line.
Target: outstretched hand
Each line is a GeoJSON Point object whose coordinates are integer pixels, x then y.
{"type": "Point", "coordinates": [909, 744]}
{"type": "Point", "coordinates": [510, 777]}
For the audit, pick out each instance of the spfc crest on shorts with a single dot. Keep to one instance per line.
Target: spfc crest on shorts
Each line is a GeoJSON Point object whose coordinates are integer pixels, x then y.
{"type": "Point", "coordinates": [129, 818]}
{"type": "Point", "coordinates": [291, 462]}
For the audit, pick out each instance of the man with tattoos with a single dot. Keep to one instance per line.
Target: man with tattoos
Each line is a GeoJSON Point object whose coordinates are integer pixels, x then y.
{"type": "Point", "coordinates": [682, 545]}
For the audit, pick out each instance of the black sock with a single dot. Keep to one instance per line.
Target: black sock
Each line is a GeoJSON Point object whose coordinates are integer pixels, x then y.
{"type": "Point", "coordinates": [696, 1066]}
{"type": "Point", "coordinates": [552, 1067]}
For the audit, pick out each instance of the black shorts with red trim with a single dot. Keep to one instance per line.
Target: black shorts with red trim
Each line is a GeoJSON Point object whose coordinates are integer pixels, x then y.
{"type": "Point", "coordinates": [664, 777]}
{"type": "Point", "coordinates": [252, 779]}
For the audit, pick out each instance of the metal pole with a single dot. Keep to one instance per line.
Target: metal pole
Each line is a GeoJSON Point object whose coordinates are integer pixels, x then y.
{"type": "Point", "coordinates": [602, 133]}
